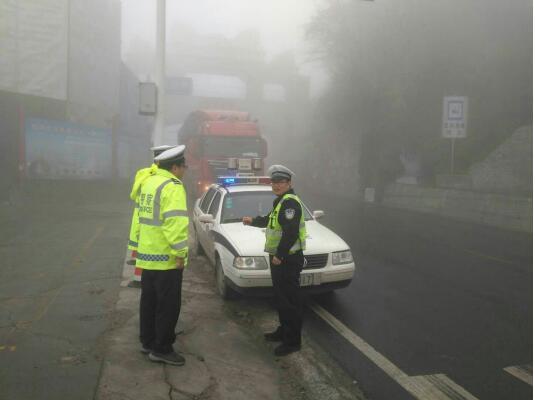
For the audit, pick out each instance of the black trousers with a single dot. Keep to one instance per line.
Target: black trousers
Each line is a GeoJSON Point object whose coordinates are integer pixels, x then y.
{"type": "Point", "coordinates": [161, 298]}
{"type": "Point", "coordinates": [289, 301]}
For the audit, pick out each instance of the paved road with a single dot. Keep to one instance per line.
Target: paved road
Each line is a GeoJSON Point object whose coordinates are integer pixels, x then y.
{"type": "Point", "coordinates": [59, 277]}
{"type": "Point", "coordinates": [434, 296]}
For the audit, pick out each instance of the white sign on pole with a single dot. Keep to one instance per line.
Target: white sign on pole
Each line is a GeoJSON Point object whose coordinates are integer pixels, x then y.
{"type": "Point", "coordinates": [218, 86]}
{"type": "Point", "coordinates": [454, 117]}
{"type": "Point", "coordinates": [147, 98]}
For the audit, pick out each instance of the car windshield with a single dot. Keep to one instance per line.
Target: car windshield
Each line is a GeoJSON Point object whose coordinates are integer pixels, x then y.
{"type": "Point", "coordinates": [232, 147]}
{"type": "Point", "coordinates": [243, 204]}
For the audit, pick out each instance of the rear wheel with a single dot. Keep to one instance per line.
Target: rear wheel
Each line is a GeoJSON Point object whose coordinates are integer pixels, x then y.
{"type": "Point", "coordinates": [222, 287]}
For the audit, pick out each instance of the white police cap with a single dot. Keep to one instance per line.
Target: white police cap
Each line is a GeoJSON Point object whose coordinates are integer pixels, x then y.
{"type": "Point", "coordinates": [156, 150]}
{"type": "Point", "coordinates": [280, 172]}
{"type": "Point", "coordinates": [173, 154]}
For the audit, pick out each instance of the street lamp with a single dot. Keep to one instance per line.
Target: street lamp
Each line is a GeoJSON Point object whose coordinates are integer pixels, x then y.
{"type": "Point", "coordinates": [159, 123]}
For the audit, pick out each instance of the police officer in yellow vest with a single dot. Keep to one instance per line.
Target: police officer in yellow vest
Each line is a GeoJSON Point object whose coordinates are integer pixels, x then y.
{"type": "Point", "coordinates": [141, 175]}
{"type": "Point", "coordinates": [285, 243]}
{"type": "Point", "coordinates": [162, 254]}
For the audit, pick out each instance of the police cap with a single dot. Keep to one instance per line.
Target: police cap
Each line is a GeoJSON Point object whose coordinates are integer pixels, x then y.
{"type": "Point", "coordinates": [157, 150]}
{"type": "Point", "coordinates": [280, 172]}
{"type": "Point", "coordinates": [175, 154]}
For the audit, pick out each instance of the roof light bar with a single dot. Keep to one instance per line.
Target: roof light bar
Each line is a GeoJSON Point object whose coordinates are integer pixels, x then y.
{"type": "Point", "coordinates": [243, 180]}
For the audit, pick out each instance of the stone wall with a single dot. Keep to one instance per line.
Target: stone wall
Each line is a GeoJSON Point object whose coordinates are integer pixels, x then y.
{"type": "Point", "coordinates": [504, 211]}
{"type": "Point", "coordinates": [508, 169]}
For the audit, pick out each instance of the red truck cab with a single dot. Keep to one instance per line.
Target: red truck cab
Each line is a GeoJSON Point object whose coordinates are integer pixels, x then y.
{"type": "Point", "coordinates": [213, 138]}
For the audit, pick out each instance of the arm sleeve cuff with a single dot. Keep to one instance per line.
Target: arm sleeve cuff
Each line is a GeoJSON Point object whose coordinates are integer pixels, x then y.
{"type": "Point", "coordinates": [260, 222]}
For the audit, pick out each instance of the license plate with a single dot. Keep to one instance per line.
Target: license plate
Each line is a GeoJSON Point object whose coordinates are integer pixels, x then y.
{"type": "Point", "coordinates": [244, 164]}
{"type": "Point", "coordinates": [307, 279]}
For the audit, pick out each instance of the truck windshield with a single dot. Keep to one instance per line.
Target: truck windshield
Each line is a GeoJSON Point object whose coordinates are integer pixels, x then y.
{"type": "Point", "coordinates": [232, 147]}
{"type": "Point", "coordinates": [243, 204]}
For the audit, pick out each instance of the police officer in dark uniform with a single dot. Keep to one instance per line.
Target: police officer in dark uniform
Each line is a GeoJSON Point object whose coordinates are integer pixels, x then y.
{"type": "Point", "coordinates": [285, 242]}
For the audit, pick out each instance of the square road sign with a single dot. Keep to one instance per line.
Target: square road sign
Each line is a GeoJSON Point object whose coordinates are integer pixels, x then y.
{"type": "Point", "coordinates": [454, 116]}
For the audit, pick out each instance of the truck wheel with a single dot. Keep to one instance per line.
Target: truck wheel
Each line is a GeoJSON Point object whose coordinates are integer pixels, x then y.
{"type": "Point", "coordinates": [224, 290]}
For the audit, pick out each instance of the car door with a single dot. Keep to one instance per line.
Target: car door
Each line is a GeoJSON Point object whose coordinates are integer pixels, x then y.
{"type": "Point", "coordinates": [214, 211]}
{"type": "Point", "coordinates": [204, 204]}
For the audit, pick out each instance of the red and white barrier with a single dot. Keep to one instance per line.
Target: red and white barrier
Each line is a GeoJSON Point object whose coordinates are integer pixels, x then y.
{"type": "Point", "coordinates": [136, 278]}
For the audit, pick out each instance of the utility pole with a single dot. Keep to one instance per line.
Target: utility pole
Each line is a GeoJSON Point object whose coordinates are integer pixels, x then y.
{"type": "Point", "coordinates": [159, 123]}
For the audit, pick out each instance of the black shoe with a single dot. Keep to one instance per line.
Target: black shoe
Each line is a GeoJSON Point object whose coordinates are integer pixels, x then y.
{"type": "Point", "coordinates": [145, 350]}
{"type": "Point", "coordinates": [285, 349]}
{"type": "Point", "coordinates": [134, 284]}
{"type": "Point", "coordinates": [275, 336]}
{"type": "Point", "coordinates": [169, 358]}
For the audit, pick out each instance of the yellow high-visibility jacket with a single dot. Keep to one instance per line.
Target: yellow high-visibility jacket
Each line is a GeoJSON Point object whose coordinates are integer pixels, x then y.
{"type": "Point", "coordinates": [274, 229]}
{"type": "Point", "coordinates": [163, 222]}
{"type": "Point", "coordinates": [141, 175]}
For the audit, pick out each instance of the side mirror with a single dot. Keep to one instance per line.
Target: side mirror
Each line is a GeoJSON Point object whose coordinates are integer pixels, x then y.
{"type": "Point", "coordinates": [318, 214]}
{"type": "Point", "coordinates": [207, 218]}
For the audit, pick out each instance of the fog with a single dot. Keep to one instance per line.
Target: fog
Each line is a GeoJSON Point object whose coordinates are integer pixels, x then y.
{"type": "Point", "coordinates": [351, 78]}
{"type": "Point", "coordinates": [280, 24]}
{"type": "Point", "coordinates": [407, 124]}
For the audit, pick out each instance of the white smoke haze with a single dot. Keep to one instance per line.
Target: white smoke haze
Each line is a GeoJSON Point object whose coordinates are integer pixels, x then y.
{"type": "Point", "coordinates": [281, 25]}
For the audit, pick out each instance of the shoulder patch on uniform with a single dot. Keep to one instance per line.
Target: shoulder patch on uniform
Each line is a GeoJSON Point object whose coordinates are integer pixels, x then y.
{"type": "Point", "coordinates": [289, 213]}
{"type": "Point", "coordinates": [176, 181]}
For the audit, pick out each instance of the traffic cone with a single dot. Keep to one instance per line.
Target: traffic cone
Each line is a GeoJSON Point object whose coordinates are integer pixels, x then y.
{"type": "Point", "coordinates": [132, 261]}
{"type": "Point", "coordinates": [136, 278]}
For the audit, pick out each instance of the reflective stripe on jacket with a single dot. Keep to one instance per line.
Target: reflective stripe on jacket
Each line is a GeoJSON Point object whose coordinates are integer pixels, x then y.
{"type": "Point", "coordinates": [133, 237]}
{"type": "Point", "coordinates": [163, 222]}
{"type": "Point", "coordinates": [274, 229]}
{"type": "Point", "coordinates": [141, 175]}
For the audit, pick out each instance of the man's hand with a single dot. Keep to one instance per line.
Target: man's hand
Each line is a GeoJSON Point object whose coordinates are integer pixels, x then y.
{"type": "Point", "coordinates": [247, 220]}
{"type": "Point", "coordinates": [180, 262]}
{"type": "Point", "coordinates": [276, 261]}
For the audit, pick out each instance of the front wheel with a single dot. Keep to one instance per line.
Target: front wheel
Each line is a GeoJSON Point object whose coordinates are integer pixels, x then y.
{"type": "Point", "coordinates": [328, 295]}
{"type": "Point", "coordinates": [222, 287]}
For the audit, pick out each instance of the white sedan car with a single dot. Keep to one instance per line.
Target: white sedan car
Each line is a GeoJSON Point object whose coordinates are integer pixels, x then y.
{"type": "Point", "coordinates": [237, 250]}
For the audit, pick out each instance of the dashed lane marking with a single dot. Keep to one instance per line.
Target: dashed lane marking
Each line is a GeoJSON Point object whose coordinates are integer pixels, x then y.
{"type": "Point", "coordinates": [77, 260]}
{"type": "Point", "coordinates": [437, 386]}
{"type": "Point", "coordinates": [522, 372]}
{"type": "Point", "coordinates": [45, 303]}
{"type": "Point", "coordinates": [486, 256]}
{"type": "Point", "coordinates": [425, 387]}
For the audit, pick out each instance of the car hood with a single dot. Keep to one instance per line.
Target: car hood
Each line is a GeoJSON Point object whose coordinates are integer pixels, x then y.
{"type": "Point", "coordinates": [249, 241]}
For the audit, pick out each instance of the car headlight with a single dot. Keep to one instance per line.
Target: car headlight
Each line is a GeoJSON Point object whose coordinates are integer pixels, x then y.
{"type": "Point", "coordinates": [250, 263]}
{"type": "Point", "coordinates": [342, 257]}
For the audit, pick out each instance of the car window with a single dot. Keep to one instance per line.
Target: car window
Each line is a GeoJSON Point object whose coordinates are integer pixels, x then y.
{"type": "Point", "coordinates": [214, 207]}
{"type": "Point", "coordinates": [206, 200]}
{"type": "Point", "coordinates": [252, 204]}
